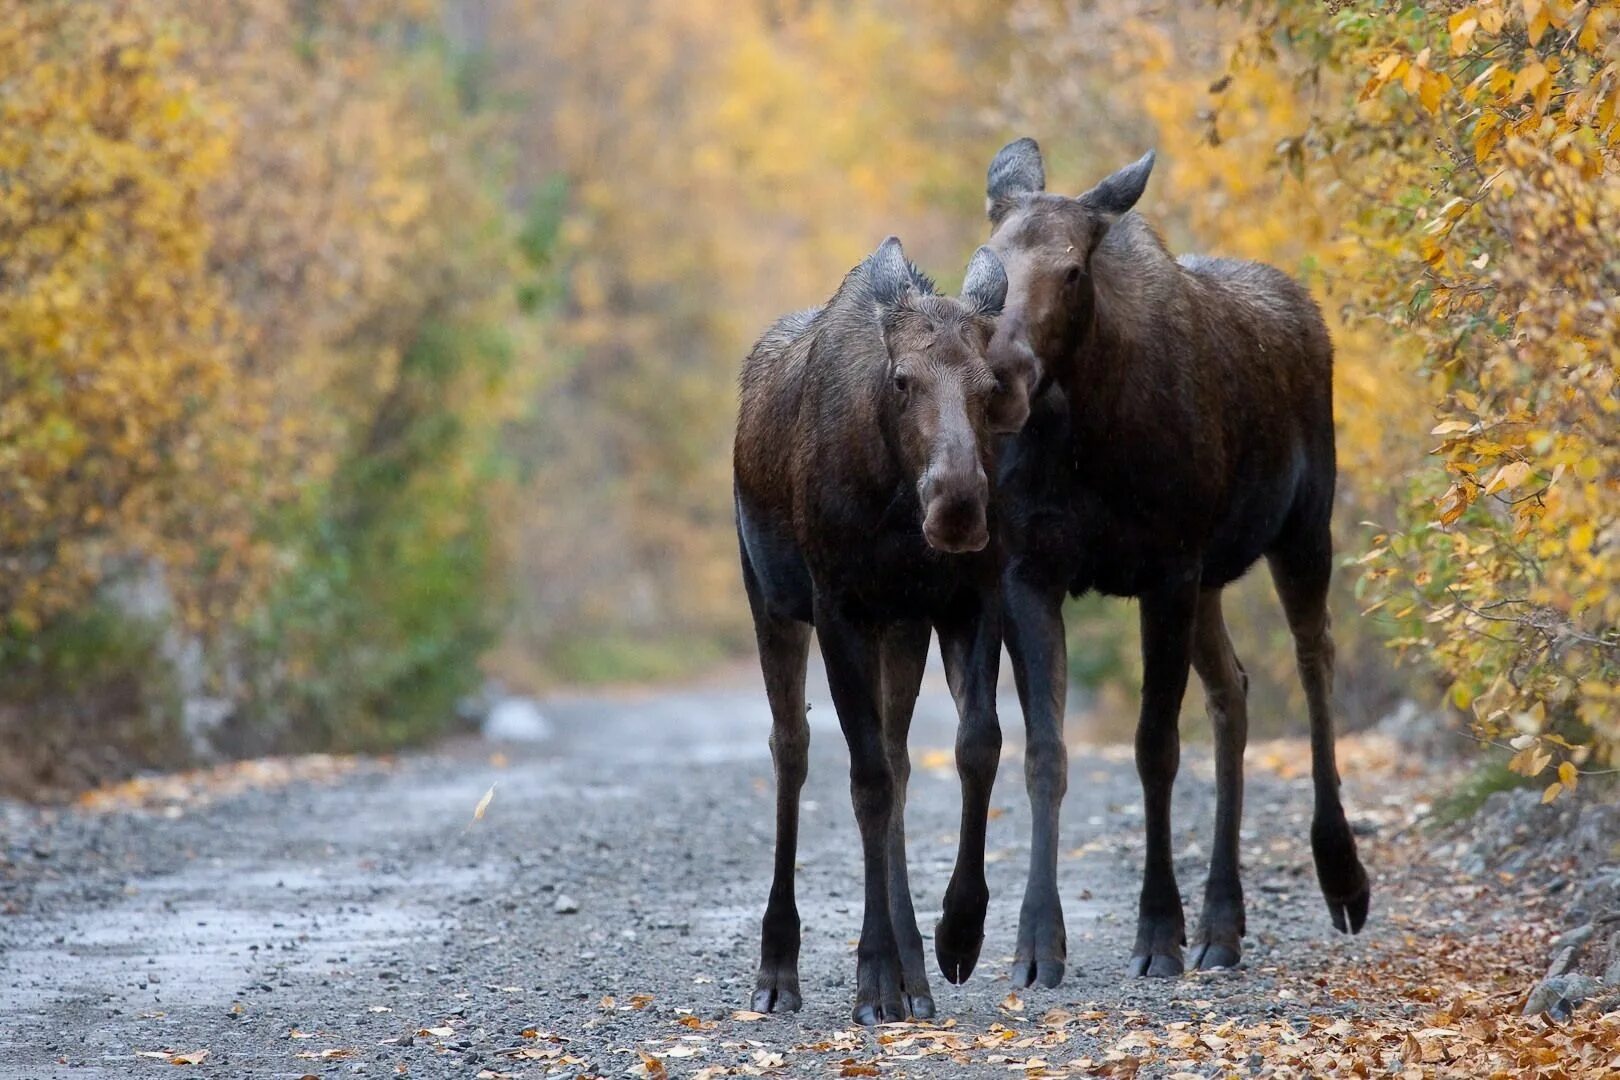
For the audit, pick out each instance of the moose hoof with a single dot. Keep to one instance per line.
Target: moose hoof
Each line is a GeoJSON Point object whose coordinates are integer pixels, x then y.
{"type": "Point", "coordinates": [920, 1006]}
{"type": "Point", "coordinates": [1157, 966]}
{"type": "Point", "coordinates": [1350, 913]}
{"type": "Point", "coordinates": [1343, 879]}
{"type": "Point", "coordinates": [873, 1013]}
{"type": "Point", "coordinates": [1216, 955]}
{"type": "Point", "coordinates": [770, 1000]}
{"type": "Point", "coordinates": [956, 947]}
{"type": "Point", "coordinates": [777, 991]}
{"type": "Point", "coordinates": [1043, 946]}
{"type": "Point", "coordinates": [1027, 971]}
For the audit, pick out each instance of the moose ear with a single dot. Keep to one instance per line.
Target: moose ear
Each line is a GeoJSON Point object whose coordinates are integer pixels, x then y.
{"type": "Point", "coordinates": [1115, 196]}
{"type": "Point", "coordinates": [888, 272]}
{"type": "Point", "coordinates": [1016, 170]}
{"type": "Point", "coordinates": [985, 286]}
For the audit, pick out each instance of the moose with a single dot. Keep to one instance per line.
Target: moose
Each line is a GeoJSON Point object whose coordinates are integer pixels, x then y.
{"type": "Point", "coordinates": [862, 465]}
{"type": "Point", "coordinates": [1180, 427]}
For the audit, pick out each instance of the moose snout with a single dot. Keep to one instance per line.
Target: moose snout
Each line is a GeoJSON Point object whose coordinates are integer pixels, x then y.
{"type": "Point", "coordinates": [954, 510]}
{"type": "Point", "coordinates": [1017, 371]}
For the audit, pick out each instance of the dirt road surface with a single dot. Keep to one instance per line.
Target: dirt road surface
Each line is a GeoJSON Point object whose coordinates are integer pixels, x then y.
{"type": "Point", "coordinates": [367, 925]}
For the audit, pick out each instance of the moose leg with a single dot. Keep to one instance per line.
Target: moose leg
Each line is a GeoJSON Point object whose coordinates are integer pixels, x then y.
{"type": "Point", "coordinates": [905, 654]}
{"type": "Point", "coordinates": [1167, 624]}
{"type": "Point", "coordinates": [1034, 624]}
{"type": "Point", "coordinates": [971, 646]}
{"type": "Point", "coordinates": [1226, 688]}
{"type": "Point", "coordinates": [784, 645]}
{"type": "Point", "coordinates": [854, 674]}
{"type": "Point", "coordinates": [1301, 572]}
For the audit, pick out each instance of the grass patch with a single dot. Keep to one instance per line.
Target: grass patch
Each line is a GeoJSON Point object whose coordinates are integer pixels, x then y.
{"type": "Point", "coordinates": [624, 658]}
{"type": "Point", "coordinates": [1489, 776]}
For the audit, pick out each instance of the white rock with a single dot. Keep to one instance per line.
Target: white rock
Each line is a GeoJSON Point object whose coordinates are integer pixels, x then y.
{"type": "Point", "coordinates": [516, 719]}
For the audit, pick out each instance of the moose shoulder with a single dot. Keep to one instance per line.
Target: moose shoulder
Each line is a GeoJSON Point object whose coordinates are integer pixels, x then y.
{"type": "Point", "coordinates": [1181, 429]}
{"type": "Point", "coordinates": [862, 467]}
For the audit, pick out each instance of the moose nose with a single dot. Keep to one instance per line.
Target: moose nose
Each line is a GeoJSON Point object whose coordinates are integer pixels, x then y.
{"type": "Point", "coordinates": [954, 517]}
{"type": "Point", "coordinates": [1016, 369]}
{"type": "Point", "coordinates": [1009, 406]}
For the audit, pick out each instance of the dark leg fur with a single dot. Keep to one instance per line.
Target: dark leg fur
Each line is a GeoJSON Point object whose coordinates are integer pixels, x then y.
{"type": "Point", "coordinates": [1301, 570]}
{"type": "Point", "coordinates": [1034, 625]}
{"type": "Point", "coordinates": [1226, 688]}
{"type": "Point", "coordinates": [784, 646]}
{"type": "Point", "coordinates": [905, 654]}
{"type": "Point", "coordinates": [854, 673]}
{"type": "Point", "coordinates": [1167, 630]}
{"type": "Point", "coordinates": [971, 646]}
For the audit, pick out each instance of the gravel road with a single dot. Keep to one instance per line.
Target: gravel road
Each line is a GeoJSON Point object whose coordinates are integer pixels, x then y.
{"type": "Point", "coordinates": [367, 925]}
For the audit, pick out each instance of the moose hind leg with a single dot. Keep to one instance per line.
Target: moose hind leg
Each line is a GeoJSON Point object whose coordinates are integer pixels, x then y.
{"type": "Point", "coordinates": [784, 645]}
{"type": "Point", "coordinates": [1226, 687]}
{"type": "Point", "coordinates": [1301, 573]}
{"type": "Point", "coordinates": [905, 654]}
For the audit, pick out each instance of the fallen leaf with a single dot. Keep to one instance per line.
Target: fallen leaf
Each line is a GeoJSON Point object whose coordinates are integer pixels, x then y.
{"type": "Point", "coordinates": [192, 1057]}
{"type": "Point", "coordinates": [483, 804]}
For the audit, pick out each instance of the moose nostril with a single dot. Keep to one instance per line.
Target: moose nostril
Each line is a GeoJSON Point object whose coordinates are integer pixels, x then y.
{"type": "Point", "coordinates": [956, 523]}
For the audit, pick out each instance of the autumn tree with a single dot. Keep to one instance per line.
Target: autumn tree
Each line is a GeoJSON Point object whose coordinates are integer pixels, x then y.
{"type": "Point", "coordinates": [1445, 178]}
{"type": "Point", "coordinates": [113, 329]}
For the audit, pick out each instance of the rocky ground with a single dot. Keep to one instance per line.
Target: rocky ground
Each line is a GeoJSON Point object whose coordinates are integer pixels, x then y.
{"type": "Point", "coordinates": [599, 918]}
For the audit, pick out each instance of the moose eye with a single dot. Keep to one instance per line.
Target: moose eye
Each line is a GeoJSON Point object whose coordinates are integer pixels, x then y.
{"type": "Point", "coordinates": [1072, 276]}
{"type": "Point", "coordinates": [901, 382]}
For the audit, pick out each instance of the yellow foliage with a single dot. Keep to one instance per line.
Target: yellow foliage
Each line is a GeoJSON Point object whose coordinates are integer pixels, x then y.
{"type": "Point", "coordinates": [113, 329]}
{"type": "Point", "coordinates": [1482, 150]}
{"type": "Point", "coordinates": [1446, 178]}
{"type": "Point", "coordinates": [217, 258]}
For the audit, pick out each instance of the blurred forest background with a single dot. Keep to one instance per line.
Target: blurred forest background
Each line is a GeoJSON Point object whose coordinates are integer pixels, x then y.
{"type": "Point", "coordinates": [353, 352]}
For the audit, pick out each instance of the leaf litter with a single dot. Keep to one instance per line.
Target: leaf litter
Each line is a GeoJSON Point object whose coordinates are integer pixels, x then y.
{"type": "Point", "coordinates": [1437, 997]}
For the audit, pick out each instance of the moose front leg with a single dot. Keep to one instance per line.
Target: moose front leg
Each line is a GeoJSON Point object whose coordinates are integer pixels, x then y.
{"type": "Point", "coordinates": [1034, 624]}
{"type": "Point", "coordinates": [971, 646]}
{"type": "Point", "coordinates": [905, 655]}
{"type": "Point", "coordinates": [1167, 623]}
{"type": "Point", "coordinates": [852, 655]}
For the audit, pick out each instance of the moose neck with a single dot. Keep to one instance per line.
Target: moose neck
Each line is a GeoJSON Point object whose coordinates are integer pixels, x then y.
{"type": "Point", "coordinates": [1121, 369]}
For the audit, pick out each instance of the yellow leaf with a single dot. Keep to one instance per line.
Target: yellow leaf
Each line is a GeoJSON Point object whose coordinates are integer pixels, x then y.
{"type": "Point", "coordinates": [1554, 789]}
{"type": "Point", "coordinates": [1431, 87]}
{"type": "Point", "coordinates": [1508, 477]}
{"type": "Point", "coordinates": [1463, 25]}
{"type": "Point", "coordinates": [483, 804]}
{"type": "Point", "coordinates": [1528, 80]}
{"type": "Point", "coordinates": [1568, 776]}
{"type": "Point", "coordinates": [1536, 19]}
